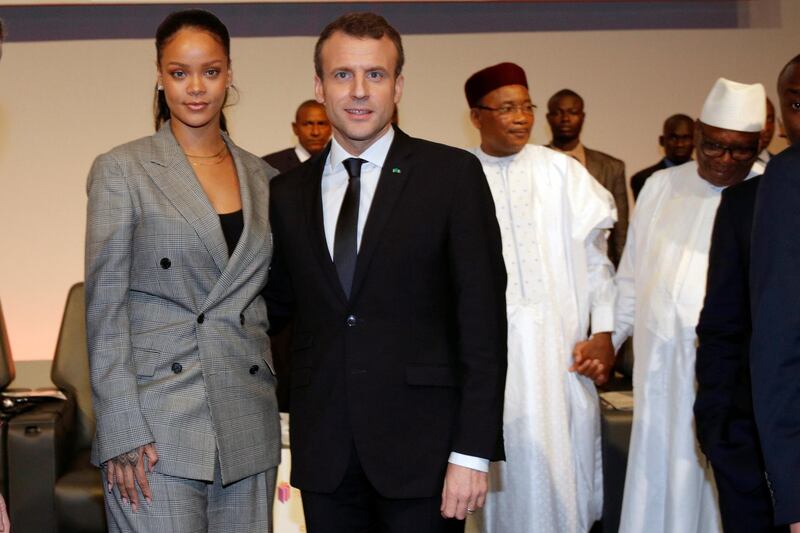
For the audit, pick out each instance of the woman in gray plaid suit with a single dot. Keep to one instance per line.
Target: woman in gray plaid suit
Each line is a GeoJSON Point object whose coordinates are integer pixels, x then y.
{"type": "Point", "coordinates": [177, 249]}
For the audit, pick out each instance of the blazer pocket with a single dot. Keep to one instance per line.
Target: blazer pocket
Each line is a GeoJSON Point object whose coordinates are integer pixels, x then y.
{"type": "Point", "coordinates": [254, 346]}
{"type": "Point", "coordinates": [431, 376]}
{"type": "Point", "coordinates": [301, 342]}
{"type": "Point", "coordinates": [144, 361]}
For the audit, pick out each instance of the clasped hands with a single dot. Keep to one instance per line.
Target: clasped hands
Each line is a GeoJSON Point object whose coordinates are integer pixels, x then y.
{"type": "Point", "coordinates": [128, 470]}
{"type": "Point", "coordinates": [465, 489]}
{"type": "Point", "coordinates": [594, 358]}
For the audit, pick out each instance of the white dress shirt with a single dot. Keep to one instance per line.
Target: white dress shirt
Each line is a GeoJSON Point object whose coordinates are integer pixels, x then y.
{"type": "Point", "coordinates": [301, 153]}
{"type": "Point", "coordinates": [760, 164]}
{"type": "Point", "coordinates": [334, 186]}
{"type": "Point", "coordinates": [335, 180]}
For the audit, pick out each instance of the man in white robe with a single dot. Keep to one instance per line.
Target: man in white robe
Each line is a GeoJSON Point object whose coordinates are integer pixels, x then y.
{"type": "Point", "coordinates": [554, 220]}
{"type": "Point", "coordinates": [661, 283]}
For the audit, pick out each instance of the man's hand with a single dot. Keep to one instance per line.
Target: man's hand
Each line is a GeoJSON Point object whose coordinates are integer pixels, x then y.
{"type": "Point", "coordinates": [5, 525]}
{"type": "Point", "coordinates": [594, 358]}
{"type": "Point", "coordinates": [464, 491]}
{"type": "Point", "coordinates": [795, 528]}
{"type": "Point", "coordinates": [127, 470]}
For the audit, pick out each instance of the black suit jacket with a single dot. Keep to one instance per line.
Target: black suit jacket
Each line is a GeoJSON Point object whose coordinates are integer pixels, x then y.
{"type": "Point", "coordinates": [775, 349]}
{"type": "Point", "coordinates": [413, 366]}
{"type": "Point", "coordinates": [638, 179]}
{"type": "Point", "coordinates": [723, 407]}
{"type": "Point", "coordinates": [283, 161]}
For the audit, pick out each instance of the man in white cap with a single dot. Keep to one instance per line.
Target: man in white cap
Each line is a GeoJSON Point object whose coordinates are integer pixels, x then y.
{"type": "Point", "coordinates": [662, 283]}
{"type": "Point", "coordinates": [554, 221]}
{"type": "Point", "coordinates": [724, 407]}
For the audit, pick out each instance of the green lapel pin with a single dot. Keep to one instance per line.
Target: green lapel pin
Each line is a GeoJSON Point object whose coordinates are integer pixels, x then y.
{"type": "Point", "coordinates": [395, 170]}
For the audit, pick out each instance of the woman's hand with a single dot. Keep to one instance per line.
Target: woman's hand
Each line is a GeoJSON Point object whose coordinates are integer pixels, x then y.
{"type": "Point", "coordinates": [5, 524]}
{"type": "Point", "coordinates": [127, 470]}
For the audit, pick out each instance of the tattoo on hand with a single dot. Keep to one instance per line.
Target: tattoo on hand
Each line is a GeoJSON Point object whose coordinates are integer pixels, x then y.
{"type": "Point", "coordinates": [128, 458]}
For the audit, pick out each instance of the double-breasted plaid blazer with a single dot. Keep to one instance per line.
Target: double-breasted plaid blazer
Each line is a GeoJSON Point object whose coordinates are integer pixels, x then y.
{"type": "Point", "coordinates": [177, 329]}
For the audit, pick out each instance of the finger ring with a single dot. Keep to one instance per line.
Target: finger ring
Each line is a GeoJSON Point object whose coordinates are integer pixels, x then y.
{"type": "Point", "coordinates": [470, 511]}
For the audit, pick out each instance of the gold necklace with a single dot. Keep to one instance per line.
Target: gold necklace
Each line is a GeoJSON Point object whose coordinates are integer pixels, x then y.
{"type": "Point", "coordinates": [221, 159]}
{"type": "Point", "coordinates": [224, 146]}
{"type": "Point", "coordinates": [214, 159]}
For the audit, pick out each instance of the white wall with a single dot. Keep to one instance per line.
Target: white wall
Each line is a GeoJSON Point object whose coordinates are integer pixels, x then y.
{"type": "Point", "coordinates": [62, 103]}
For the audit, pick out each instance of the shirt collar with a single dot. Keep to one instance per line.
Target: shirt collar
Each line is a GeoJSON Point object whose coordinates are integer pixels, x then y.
{"type": "Point", "coordinates": [375, 154]}
{"type": "Point", "coordinates": [301, 153]}
{"type": "Point", "coordinates": [579, 152]}
{"type": "Point", "coordinates": [750, 175]}
{"type": "Point", "coordinates": [492, 159]}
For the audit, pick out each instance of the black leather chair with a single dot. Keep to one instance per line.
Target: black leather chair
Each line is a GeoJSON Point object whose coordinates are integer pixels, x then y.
{"type": "Point", "coordinates": [6, 377]}
{"type": "Point", "coordinates": [7, 372]}
{"type": "Point", "coordinates": [53, 486]}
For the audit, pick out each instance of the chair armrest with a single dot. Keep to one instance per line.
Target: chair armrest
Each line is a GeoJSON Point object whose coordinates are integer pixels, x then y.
{"type": "Point", "coordinates": [38, 446]}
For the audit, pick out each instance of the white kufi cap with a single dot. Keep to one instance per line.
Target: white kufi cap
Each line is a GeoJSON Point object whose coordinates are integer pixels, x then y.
{"type": "Point", "coordinates": [735, 106]}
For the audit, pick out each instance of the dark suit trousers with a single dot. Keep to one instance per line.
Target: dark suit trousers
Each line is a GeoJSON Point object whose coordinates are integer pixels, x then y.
{"type": "Point", "coordinates": [744, 499]}
{"type": "Point", "coordinates": [356, 507]}
{"type": "Point", "coordinates": [745, 513]}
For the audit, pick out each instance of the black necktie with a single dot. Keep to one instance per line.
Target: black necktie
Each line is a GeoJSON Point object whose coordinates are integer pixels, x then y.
{"type": "Point", "coordinates": [345, 241]}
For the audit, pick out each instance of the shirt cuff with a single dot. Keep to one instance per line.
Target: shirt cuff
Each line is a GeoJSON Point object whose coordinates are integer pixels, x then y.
{"type": "Point", "coordinates": [469, 461]}
{"type": "Point", "coordinates": [603, 319]}
{"type": "Point", "coordinates": [618, 339]}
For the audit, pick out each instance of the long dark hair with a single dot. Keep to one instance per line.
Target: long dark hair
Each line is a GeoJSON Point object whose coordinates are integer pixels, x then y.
{"type": "Point", "coordinates": [189, 18]}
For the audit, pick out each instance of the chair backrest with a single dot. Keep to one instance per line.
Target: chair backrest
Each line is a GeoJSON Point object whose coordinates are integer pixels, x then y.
{"type": "Point", "coordinates": [6, 362]}
{"type": "Point", "coordinates": [70, 371]}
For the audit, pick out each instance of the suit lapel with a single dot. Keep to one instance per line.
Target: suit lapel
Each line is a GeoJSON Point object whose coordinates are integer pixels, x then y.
{"type": "Point", "coordinates": [253, 193]}
{"type": "Point", "coordinates": [311, 198]}
{"type": "Point", "coordinates": [592, 164]}
{"type": "Point", "coordinates": [171, 172]}
{"type": "Point", "coordinates": [292, 159]}
{"type": "Point", "coordinates": [394, 176]}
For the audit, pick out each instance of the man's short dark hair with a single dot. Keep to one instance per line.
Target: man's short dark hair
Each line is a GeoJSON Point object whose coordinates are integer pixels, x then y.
{"type": "Point", "coordinates": [564, 93]}
{"type": "Point", "coordinates": [674, 120]}
{"type": "Point", "coordinates": [360, 25]}
{"type": "Point", "coordinates": [791, 64]}
{"type": "Point", "coordinates": [307, 104]}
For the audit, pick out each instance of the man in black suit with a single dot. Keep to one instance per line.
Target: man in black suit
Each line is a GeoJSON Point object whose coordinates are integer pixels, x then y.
{"type": "Point", "coordinates": [313, 131]}
{"type": "Point", "coordinates": [723, 407]}
{"type": "Point", "coordinates": [677, 139]}
{"type": "Point", "coordinates": [726, 425]}
{"type": "Point", "coordinates": [775, 292]}
{"type": "Point", "coordinates": [387, 249]}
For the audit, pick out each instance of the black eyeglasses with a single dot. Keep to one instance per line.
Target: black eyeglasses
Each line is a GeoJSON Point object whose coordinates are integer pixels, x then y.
{"type": "Point", "coordinates": [738, 153]}
{"type": "Point", "coordinates": [507, 109]}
